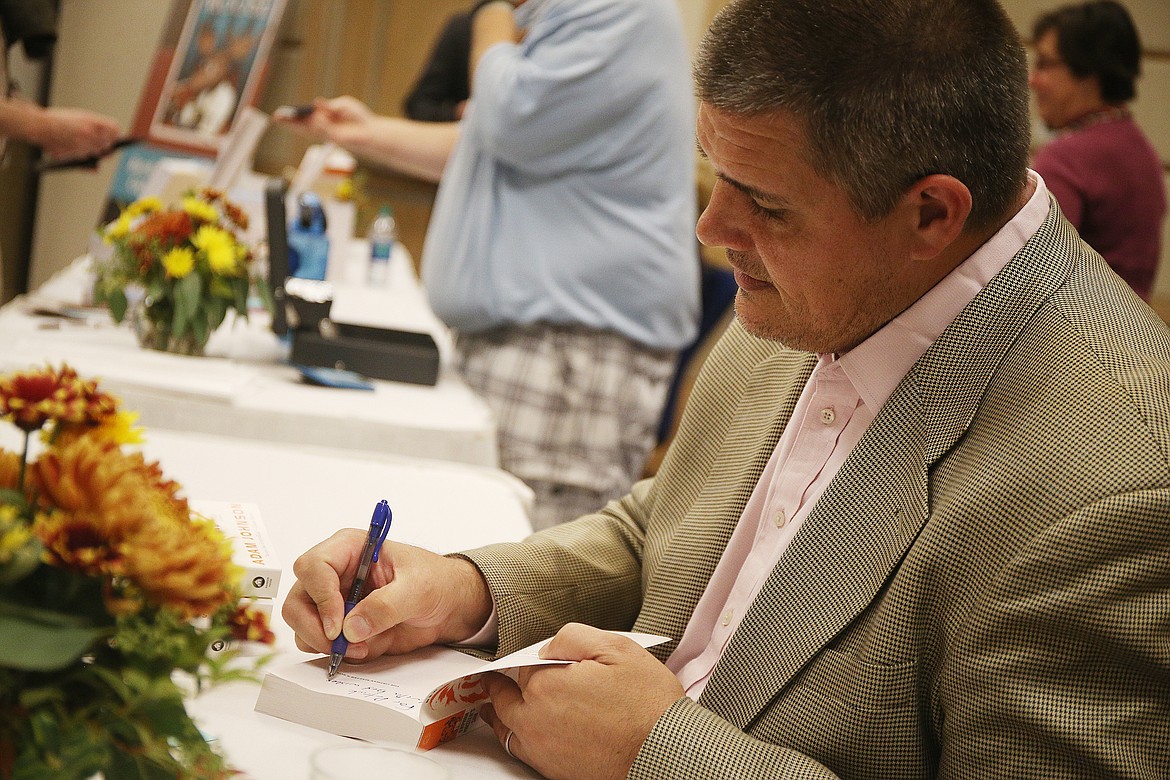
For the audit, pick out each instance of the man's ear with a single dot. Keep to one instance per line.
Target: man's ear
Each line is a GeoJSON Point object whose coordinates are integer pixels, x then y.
{"type": "Point", "coordinates": [939, 205]}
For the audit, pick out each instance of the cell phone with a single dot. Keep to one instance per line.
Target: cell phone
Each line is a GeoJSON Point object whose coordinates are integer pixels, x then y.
{"type": "Point", "coordinates": [334, 377]}
{"type": "Point", "coordinates": [293, 112]}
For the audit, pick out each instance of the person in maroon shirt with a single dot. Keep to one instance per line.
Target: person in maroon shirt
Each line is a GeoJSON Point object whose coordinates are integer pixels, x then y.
{"type": "Point", "coordinates": [1100, 166]}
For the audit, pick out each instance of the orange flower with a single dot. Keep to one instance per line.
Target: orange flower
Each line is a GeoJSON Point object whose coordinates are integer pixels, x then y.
{"type": "Point", "coordinates": [109, 522]}
{"type": "Point", "coordinates": [110, 514]}
{"type": "Point", "coordinates": [182, 564]}
{"type": "Point", "coordinates": [92, 498]}
{"type": "Point", "coordinates": [167, 227]}
{"type": "Point", "coordinates": [83, 541]}
{"type": "Point", "coordinates": [236, 215]}
{"type": "Point", "coordinates": [33, 398]}
{"type": "Point", "coordinates": [87, 475]}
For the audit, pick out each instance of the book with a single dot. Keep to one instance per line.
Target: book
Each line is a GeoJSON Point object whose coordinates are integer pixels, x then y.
{"type": "Point", "coordinates": [421, 699]}
{"type": "Point", "coordinates": [243, 525]}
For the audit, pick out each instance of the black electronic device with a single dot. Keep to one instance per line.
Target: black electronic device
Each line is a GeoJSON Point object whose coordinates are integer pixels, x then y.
{"type": "Point", "coordinates": [382, 353]}
{"type": "Point", "coordinates": [277, 225]}
{"type": "Point", "coordinates": [301, 309]}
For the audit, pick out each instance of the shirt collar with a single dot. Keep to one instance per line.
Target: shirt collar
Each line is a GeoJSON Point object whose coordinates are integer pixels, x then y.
{"type": "Point", "coordinates": [878, 364]}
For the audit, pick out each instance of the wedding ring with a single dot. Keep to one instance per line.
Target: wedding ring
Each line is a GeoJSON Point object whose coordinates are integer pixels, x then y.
{"type": "Point", "coordinates": [508, 744]}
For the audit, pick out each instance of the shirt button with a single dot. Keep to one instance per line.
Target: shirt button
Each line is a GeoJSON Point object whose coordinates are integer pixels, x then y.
{"type": "Point", "coordinates": [727, 616]}
{"type": "Point", "coordinates": [828, 415]}
{"type": "Point", "coordinates": [781, 519]}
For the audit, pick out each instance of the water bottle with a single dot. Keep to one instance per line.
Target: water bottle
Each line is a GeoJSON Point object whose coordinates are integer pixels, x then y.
{"type": "Point", "coordinates": [308, 245]}
{"type": "Point", "coordinates": [383, 235]}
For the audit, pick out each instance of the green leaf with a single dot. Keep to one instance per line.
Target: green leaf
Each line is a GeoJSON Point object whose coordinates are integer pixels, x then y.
{"type": "Point", "coordinates": [22, 562]}
{"type": "Point", "coordinates": [40, 646]}
{"type": "Point", "coordinates": [155, 289]}
{"type": "Point", "coordinates": [199, 328]}
{"type": "Point", "coordinates": [221, 288]}
{"type": "Point", "coordinates": [216, 311]}
{"type": "Point", "coordinates": [15, 498]}
{"type": "Point", "coordinates": [116, 300]}
{"type": "Point", "coordinates": [188, 291]}
{"type": "Point", "coordinates": [265, 296]}
{"type": "Point", "coordinates": [241, 290]}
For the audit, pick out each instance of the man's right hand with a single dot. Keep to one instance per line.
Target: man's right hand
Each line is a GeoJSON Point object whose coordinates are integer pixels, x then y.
{"type": "Point", "coordinates": [417, 598]}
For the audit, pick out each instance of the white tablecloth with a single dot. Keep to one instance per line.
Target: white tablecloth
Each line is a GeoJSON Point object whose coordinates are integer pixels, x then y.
{"type": "Point", "coordinates": [242, 389]}
{"type": "Point", "coordinates": [304, 496]}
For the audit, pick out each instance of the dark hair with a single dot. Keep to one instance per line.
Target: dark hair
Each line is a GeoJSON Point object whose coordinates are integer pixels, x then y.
{"type": "Point", "coordinates": [888, 91]}
{"type": "Point", "coordinates": [1097, 39]}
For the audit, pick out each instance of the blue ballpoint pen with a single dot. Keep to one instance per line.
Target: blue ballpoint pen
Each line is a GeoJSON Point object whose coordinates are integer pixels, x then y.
{"type": "Point", "coordinates": [379, 527]}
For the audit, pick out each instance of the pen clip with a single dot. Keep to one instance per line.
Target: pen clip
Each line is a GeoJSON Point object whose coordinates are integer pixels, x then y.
{"type": "Point", "coordinates": [379, 527]}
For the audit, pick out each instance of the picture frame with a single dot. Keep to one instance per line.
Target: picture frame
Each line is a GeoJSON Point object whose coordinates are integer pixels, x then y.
{"type": "Point", "coordinates": [211, 64]}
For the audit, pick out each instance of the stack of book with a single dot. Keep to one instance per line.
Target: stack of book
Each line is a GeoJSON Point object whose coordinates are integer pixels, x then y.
{"type": "Point", "coordinates": [242, 524]}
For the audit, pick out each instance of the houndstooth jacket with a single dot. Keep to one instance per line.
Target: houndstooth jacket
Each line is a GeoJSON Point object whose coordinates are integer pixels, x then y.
{"type": "Point", "coordinates": [982, 591]}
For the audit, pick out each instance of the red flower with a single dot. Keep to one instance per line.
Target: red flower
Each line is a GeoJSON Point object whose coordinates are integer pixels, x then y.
{"type": "Point", "coordinates": [251, 625]}
{"type": "Point", "coordinates": [32, 398]}
{"type": "Point", "coordinates": [169, 228]}
{"type": "Point", "coordinates": [237, 215]}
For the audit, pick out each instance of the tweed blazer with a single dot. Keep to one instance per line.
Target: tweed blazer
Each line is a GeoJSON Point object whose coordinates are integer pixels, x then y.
{"type": "Point", "coordinates": [982, 591]}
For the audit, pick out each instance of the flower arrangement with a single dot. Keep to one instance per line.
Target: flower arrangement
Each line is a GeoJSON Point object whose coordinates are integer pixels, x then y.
{"type": "Point", "coordinates": [108, 586]}
{"type": "Point", "coordinates": [189, 262]}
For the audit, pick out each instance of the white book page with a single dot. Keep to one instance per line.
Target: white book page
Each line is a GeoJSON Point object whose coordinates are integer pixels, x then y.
{"type": "Point", "coordinates": [398, 683]}
{"type": "Point", "coordinates": [469, 690]}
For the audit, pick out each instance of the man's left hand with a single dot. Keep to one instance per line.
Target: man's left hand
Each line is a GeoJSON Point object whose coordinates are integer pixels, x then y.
{"type": "Point", "coordinates": [587, 719]}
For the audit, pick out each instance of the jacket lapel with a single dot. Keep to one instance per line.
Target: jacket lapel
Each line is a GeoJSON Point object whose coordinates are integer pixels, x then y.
{"type": "Point", "coordinates": [698, 541]}
{"type": "Point", "coordinates": [870, 514]}
{"type": "Point", "coordinates": [843, 553]}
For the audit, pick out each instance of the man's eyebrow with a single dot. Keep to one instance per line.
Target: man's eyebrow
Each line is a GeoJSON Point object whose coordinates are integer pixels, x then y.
{"type": "Point", "coordinates": [751, 192]}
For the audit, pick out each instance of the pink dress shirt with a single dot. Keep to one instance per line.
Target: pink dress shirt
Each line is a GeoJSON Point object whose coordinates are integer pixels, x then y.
{"type": "Point", "coordinates": [834, 410]}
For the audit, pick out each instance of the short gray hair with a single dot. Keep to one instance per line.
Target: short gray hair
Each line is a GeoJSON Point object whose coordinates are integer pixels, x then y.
{"type": "Point", "coordinates": [888, 91]}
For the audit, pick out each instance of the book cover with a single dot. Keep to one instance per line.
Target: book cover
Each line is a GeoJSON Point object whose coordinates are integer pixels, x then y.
{"type": "Point", "coordinates": [422, 699]}
{"type": "Point", "coordinates": [242, 524]}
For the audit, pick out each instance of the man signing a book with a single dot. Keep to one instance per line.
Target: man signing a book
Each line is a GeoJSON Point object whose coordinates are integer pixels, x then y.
{"type": "Point", "coordinates": [914, 523]}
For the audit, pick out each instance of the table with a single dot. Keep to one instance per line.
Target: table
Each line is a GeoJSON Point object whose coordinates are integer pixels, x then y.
{"type": "Point", "coordinates": [305, 495]}
{"type": "Point", "coordinates": [243, 389]}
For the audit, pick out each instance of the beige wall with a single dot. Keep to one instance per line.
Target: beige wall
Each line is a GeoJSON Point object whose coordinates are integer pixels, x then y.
{"type": "Point", "coordinates": [103, 51]}
{"type": "Point", "coordinates": [105, 47]}
{"type": "Point", "coordinates": [16, 182]}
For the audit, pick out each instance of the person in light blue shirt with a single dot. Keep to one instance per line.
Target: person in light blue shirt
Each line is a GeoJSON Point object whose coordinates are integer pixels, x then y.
{"type": "Point", "coordinates": [561, 248]}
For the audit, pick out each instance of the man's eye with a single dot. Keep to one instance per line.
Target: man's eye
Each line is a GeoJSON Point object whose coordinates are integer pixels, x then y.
{"type": "Point", "coordinates": [764, 211]}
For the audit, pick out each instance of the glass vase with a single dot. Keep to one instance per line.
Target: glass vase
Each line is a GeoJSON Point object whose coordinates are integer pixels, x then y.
{"type": "Point", "coordinates": [154, 332]}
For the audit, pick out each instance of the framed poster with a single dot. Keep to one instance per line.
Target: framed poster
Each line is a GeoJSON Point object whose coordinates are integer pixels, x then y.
{"type": "Point", "coordinates": [209, 67]}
